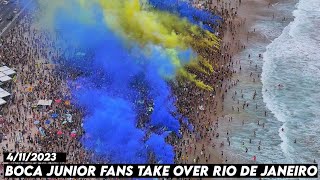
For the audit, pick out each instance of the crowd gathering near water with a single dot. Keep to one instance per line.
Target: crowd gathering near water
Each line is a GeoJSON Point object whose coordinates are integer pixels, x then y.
{"type": "Point", "coordinates": [23, 48]}
{"type": "Point", "coordinates": [204, 108]}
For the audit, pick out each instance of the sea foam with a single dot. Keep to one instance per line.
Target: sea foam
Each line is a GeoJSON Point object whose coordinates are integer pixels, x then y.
{"type": "Point", "coordinates": [292, 60]}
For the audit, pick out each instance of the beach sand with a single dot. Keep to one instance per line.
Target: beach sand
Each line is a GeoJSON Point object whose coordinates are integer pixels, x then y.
{"type": "Point", "coordinates": [215, 127]}
{"type": "Point", "coordinates": [204, 145]}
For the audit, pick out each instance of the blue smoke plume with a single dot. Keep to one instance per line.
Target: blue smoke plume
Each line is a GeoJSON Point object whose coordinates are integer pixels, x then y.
{"type": "Point", "coordinates": [185, 10]}
{"type": "Point", "coordinates": [129, 106]}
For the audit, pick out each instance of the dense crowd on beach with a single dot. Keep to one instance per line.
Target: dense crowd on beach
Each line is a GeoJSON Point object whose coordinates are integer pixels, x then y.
{"type": "Point", "coordinates": [202, 108]}
{"type": "Point", "coordinates": [37, 78]}
{"type": "Point", "coordinates": [29, 127]}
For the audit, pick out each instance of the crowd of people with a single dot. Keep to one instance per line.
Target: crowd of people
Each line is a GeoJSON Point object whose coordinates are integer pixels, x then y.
{"type": "Point", "coordinates": [207, 141]}
{"type": "Point", "coordinates": [201, 142]}
{"type": "Point", "coordinates": [30, 128]}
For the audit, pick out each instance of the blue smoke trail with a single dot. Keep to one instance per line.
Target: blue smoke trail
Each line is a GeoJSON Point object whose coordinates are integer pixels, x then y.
{"type": "Point", "coordinates": [185, 10]}
{"type": "Point", "coordinates": [117, 84]}
{"type": "Point", "coordinates": [113, 112]}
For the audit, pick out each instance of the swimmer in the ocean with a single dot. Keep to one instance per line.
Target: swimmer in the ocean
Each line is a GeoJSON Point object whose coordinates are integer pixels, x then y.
{"type": "Point", "coordinates": [280, 86]}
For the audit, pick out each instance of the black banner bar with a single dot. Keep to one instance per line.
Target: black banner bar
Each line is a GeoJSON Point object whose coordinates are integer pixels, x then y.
{"type": "Point", "coordinates": [158, 171]}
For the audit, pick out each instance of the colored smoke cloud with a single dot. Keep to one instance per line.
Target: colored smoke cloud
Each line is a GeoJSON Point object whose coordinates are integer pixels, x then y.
{"type": "Point", "coordinates": [185, 10]}
{"type": "Point", "coordinates": [112, 96]}
{"type": "Point", "coordinates": [130, 54]}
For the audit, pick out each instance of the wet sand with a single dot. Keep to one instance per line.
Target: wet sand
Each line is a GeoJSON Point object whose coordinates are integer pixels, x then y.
{"type": "Point", "coordinates": [203, 145]}
{"type": "Point", "coordinates": [239, 102]}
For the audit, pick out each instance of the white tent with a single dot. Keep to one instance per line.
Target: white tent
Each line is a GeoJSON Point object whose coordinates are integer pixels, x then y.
{"type": "Point", "coordinates": [5, 78]}
{"type": "Point", "coordinates": [4, 68]}
{"type": "Point", "coordinates": [44, 102]}
{"type": "Point", "coordinates": [4, 94]}
{"type": "Point", "coordinates": [9, 72]}
{"type": "Point", "coordinates": [2, 102]}
{"type": "Point", "coordinates": [5, 71]}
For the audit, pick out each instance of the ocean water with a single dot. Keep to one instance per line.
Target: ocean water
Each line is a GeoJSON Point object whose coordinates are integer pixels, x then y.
{"type": "Point", "coordinates": [290, 52]}
{"type": "Point", "coordinates": [293, 60]}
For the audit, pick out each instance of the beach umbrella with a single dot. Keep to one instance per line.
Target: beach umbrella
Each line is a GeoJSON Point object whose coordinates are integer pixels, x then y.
{"type": "Point", "coordinates": [58, 101]}
{"type": "Point", "coordinates": [41, 130]}
{"type": "Point", "coordinates": [59, 132]}
{"type": "Point", "coordinates": [48, 121]}
{"type": "Point", "coordinates": [55, 115]}
{"type": "Point", "coordinates": [36, 122]}
{"type": "Point", "coordinates": [29, 89]}
{"type": "Point", "coordinates": [73, 134]}
{"type": "Point", "coordinates": [67, 103]}
{"type": "Point", "coordinates": [68, 117]}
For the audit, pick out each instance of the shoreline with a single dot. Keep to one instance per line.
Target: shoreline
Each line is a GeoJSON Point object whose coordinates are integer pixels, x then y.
{"type": "Point", "coordinates": [246, 97]}
{"type": "Point", "coordinates": [208, 142]}
{"type": "Point", "coordinates": [237, 43]}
